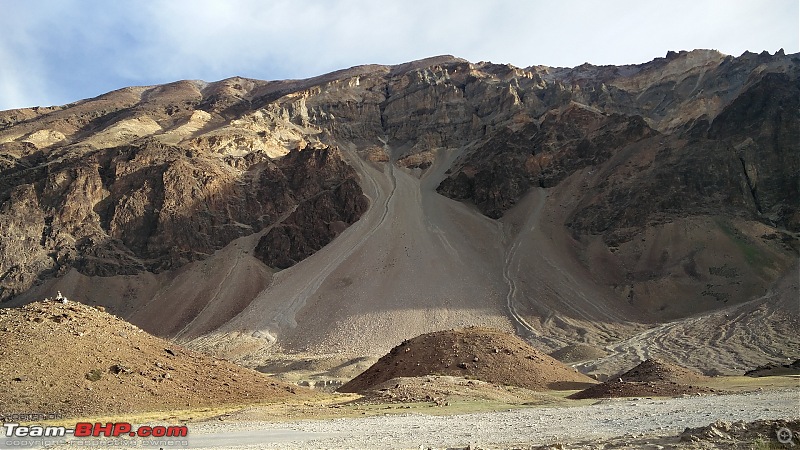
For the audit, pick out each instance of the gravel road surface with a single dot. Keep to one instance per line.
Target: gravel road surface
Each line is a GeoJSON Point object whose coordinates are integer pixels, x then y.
{"type": "Point", "coordinates": [521, 427]}
{"type": "Point", "coordinates": [611, 419]}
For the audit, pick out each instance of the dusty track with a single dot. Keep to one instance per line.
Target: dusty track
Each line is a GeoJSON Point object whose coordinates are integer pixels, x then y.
{"type": "Point", "coordinates": [510, 429]}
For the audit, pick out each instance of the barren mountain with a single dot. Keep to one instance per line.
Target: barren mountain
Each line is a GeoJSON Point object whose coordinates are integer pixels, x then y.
{"type": "Point", "coordinates": [351, 211]}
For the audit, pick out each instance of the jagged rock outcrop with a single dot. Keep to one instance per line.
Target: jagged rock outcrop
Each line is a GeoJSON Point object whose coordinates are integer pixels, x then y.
{"type": "Point", "coordinates": [136, 187]}
{"type": "Point", "coordinates": [150, 206]}
{"type": "Point", "coordinates": [730, 115]}
{"type": "Point", "coordinates": [745, 163]}
{"type": "Point", "coordinates": [503, 168]}
{"type": "Point", "coordinates": [332, 200]}
{"type": "Point", "coordinates": [666, 157]}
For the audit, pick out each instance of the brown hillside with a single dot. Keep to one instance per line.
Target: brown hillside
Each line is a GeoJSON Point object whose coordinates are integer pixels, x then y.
{"type": "Point", "coordinates": [76, 360]}
{"type": "Point", "coordinates": [660, 370]}
{"type": "Point", "coordinates": [480, 353]}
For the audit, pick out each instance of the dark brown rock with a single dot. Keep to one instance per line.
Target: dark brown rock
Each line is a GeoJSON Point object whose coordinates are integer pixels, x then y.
{"type": "Point", "coordinates": [153, 207]}
{"type": "Point", "coordinates": [316, 220]}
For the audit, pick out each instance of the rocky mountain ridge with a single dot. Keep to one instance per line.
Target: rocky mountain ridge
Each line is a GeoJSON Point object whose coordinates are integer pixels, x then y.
{"type": "Point", "coordinates": [668, 188]}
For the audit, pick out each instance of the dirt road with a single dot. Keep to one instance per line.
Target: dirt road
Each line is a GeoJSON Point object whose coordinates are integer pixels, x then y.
{"type": "Point", "coordinates": [523, 427]}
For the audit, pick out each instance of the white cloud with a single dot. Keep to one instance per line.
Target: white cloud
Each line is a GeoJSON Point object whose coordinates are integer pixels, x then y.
{"type": "Point", "coordinates": [22, 70]}
{"type": "Point", "coordinates": [18, 85]}
{"type": "Point", "coordinates": [60, 51]}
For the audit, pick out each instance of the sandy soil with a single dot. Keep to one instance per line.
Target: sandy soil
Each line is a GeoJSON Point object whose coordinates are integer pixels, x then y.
{"type": "Point", "coordinates": [419, 262]}
{"type": "Point", "coordinates": [578, 353]}
{"type": "Point", "coordinates": [416, 261]}
{"type": "Point", "coordinates": [650, 378]}
{"type": "Point", "coordinates": [659, 370]}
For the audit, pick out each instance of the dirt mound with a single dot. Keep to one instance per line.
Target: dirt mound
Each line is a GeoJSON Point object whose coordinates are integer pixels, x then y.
{"type": "Point", "coordinates": [578, 353]}
{"type": "Point", "coordinates": [480, 353]}
{"type": "Point", "coordinates": [616, 388]}
{"type": "Point", "coordinates": [76, 360]}
{"type": "Point", "coordinates": [659, 370]}
{"type": "Point", "coordinates": [768, 370]}
{"type": "Point", "coordinates": [653, 377]}
{"type": "Point", "coordinates": [444, 389]}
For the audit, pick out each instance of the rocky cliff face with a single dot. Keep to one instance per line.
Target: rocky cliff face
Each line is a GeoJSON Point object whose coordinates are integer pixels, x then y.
{"type": "Point", "coordinates": [696, 140]}
{"type": "Point", "coordinates": [147, 180]}
{"type": "Point", "coordinates": [136, 188]}
{"type": "Point", "coordinates": [331, 200]}
{"type": "Point", "coordinates": [714, 127]}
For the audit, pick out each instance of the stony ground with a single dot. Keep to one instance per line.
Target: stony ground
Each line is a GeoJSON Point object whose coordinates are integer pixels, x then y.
{"type": "Point", "coordinates": [624, 424]}
{"type": "Point", "coordinates": [655, 369]}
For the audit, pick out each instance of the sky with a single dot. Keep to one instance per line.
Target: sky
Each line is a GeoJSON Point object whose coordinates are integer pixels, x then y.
{"type": "Point", "coordinates": [54, 52]}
